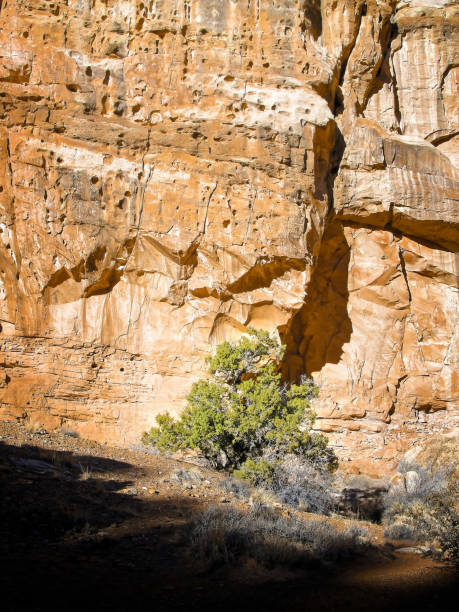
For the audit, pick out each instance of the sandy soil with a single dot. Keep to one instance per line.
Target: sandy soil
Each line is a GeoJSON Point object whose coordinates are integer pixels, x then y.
{"type": "Point", "coordinates": [100, 528]}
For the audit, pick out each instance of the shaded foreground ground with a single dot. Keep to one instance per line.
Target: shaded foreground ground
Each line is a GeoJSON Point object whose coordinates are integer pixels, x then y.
{"type": "Point", "coordinates": [98, 528]}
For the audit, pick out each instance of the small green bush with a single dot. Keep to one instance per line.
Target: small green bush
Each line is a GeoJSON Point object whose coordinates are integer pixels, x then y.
{"type": "Point", "coordinates": [258, 472]}
{"type": "Point", "coordinates": [244, 412]}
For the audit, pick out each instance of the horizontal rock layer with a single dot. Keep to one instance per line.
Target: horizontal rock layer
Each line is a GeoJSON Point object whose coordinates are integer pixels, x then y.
{"type": "Point", "coordinates": [171, 173]}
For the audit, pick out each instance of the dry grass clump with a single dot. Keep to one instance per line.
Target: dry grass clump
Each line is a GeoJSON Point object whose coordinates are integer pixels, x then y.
{"type": "Point", "coordinates": [62, 458]}
{"type": "Point", "coordinates": [32, 427]}
{"type": "Point", "coordinates": [85, 472]}
{"type": "Point", "coordinates": [222, 536]}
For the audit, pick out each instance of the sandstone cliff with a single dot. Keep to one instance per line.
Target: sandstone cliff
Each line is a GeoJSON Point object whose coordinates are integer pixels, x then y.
{"type": "Point", "coordinates": [173, 171]}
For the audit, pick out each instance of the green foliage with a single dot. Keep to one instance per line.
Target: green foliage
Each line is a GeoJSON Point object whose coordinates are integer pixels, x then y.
{"type": "Point", "coordinates": [245, 410]}
{"type": "Point", "coordinates": [231, 361]}
{"type": "Point", "coordinates": [256, 471]}
{"type": "Point", "coordinates": [168, 434]}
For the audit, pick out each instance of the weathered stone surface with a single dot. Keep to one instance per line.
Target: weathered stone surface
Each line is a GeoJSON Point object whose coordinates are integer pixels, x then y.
{"type": "Point", "coordinates": [173, 172]}
{"type": "Point", "coordinates": [380, 335]}
{"type": "Point", "coordinates": [401, 182]}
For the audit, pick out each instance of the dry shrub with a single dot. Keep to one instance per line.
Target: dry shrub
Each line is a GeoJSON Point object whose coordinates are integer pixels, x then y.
{"type": "Point", "coordinates": [399, 531]}
{"type": "Point", "coordinates": [293, 480]}
{"type": "Point", "coordinates": [301, 484]}
{"type": "Point", "coordinates": [423, 506]}
{"type": "Point", "coordinates": [236, 487]}
{"type": "Point", "coordinates": [228, 536]}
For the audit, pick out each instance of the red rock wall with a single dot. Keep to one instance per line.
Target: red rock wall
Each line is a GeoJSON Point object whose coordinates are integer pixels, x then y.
{"type": "Point", "coordinates": [171, 172]}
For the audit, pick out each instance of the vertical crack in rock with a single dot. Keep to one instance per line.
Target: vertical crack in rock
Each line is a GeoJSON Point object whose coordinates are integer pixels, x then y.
{"type": "Point", "coordinates": [403, 269]}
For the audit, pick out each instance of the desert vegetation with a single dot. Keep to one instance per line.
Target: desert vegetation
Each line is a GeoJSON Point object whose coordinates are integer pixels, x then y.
{"type": "Point", "coordinates": [246, 419]}
{"type": "Point", "coordinates": [421, 505]}
{"type": "Point", "coordinates": [134, 526]}
{"type": "Point", "coordinates": [264, 535]}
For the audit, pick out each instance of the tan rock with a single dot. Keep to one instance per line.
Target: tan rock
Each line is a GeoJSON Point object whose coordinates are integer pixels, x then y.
{"type": "Point", "coordinates": [413, 186]}
{"type": "Point", "coordinates": [171, 173]}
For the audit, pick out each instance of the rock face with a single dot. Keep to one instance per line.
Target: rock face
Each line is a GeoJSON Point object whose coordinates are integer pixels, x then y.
{"type": "Point", "coordinates": [171, 172]}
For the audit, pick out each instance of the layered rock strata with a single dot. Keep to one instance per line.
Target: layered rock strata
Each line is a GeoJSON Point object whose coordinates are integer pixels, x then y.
{"type": "Point", "coordinates": [172, 172]}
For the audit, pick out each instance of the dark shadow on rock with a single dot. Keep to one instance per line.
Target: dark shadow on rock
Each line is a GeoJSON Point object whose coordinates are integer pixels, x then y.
{"type": "Point", "coordinates": [313, 18]}
{"type": "Point", "coordinates": [318, 331]}
{"type": "Point", "coordinates": [329, 145]}
{"type": "Point", "coordinates": [336, 157]}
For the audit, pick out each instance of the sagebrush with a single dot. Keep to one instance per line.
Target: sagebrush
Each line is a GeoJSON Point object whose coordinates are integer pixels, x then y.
{"type": "Point", "coordinates": [222, 536]}
{"type": "Point", "coordinates": [423, 507]}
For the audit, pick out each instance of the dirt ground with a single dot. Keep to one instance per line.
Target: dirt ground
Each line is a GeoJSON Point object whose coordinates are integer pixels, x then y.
{"type": "Point", "coordinates": [86, 526]}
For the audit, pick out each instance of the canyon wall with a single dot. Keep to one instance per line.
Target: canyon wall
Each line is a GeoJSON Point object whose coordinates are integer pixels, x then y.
{"type": "Point", "coordinates": [172, 171]}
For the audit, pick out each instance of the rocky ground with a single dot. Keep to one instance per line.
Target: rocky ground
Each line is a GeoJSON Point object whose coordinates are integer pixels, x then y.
{"type": "Point", "coordinates": [83, 524]}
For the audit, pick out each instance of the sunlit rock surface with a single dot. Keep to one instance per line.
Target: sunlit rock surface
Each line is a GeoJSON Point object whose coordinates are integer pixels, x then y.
{"type": "Point", "coordinates": [171, 172]}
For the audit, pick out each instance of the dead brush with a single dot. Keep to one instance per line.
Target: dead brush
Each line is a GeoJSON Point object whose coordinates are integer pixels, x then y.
{"type": "Point", "coordinates": [230, 537]}
{"type": "Point", "coordinates": [236, 487]}
{"type": "Point", "coordinates": [423, 507]}
{"type": "Point", "coordinates": [263, 497]}
{"type": "Point", "coordinates": [304, 485]}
